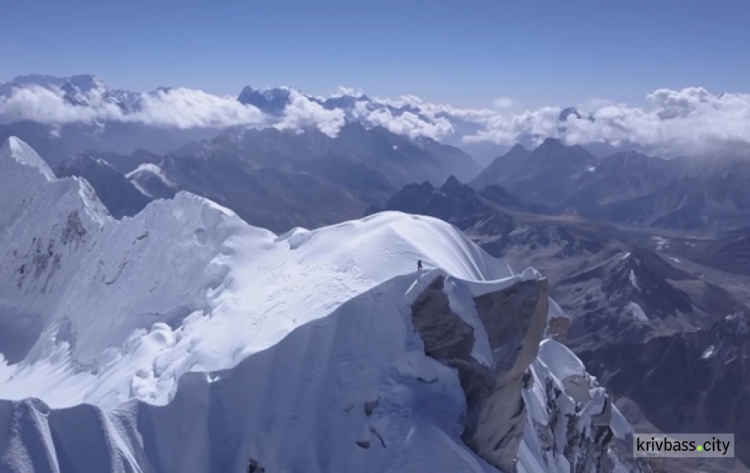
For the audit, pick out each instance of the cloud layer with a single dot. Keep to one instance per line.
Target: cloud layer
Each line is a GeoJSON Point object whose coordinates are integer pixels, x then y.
{"type": "Point", "coordinates": [302, 112]}
{"type": "Point", "coordinates": [178, 108]}
{"type": "Point", "coordinates": [687, 121]}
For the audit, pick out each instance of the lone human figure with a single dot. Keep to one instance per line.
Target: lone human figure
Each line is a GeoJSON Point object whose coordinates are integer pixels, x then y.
{"type": "Point", "coordinates": [419, 265]}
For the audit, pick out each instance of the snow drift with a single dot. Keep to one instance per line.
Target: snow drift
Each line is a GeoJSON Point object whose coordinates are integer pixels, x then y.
{"type": "Point", "coordinates": [183, 339]}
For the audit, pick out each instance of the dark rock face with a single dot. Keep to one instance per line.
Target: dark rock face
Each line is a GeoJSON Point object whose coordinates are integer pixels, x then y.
{"type": "Point", "coordinates": [686, 382]}
{"type": "Point", "coordinates": [515, 320]}
{"type": "Point", "coordinates": [578, 413]}
{"type": "Point", "coordinates": [114, 190]}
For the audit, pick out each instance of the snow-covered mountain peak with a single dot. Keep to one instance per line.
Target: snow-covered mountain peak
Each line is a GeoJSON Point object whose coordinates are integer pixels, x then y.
{"type": "Point", "coordinates": [185, 315]}
{"type": "Point", "coordinates": [84, 84]}
{"type": "Point", "coordinates": [87, 82]}
{"type": "Point", "coordinates": [19, 152]}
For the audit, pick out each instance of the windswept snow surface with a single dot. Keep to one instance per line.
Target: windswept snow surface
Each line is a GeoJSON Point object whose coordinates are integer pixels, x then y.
{"type": "Point", "coordinates": [300, 406]}
{"type": "Point", "coordinates": [103, 310]}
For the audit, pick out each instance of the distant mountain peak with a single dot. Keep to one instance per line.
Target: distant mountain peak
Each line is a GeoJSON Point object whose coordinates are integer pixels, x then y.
{"type": "Point", "coordinates": [87, 82]}
{"type": "Point", "coordinates": [567, 112]}
{"type": "Point", "coordinates": [551, 144]}
{"type": "Point", "coordinates": [452, 183]}
{"type": "Point", "coordinates": [18, 151]}
{"type": "Point", "coordinates": [272, 101]}
{"type": "Point", "coordinates": [83, 160]}
{"type": "Point", "coordinates": [83, 83]}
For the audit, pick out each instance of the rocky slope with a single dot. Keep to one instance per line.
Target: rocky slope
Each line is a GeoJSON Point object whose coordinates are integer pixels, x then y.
{"type": "Point", "coordinates": [685, 382]}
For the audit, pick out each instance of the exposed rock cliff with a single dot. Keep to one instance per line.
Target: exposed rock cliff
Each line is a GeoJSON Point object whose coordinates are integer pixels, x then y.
{"type": "Point", "coordinates": [526, 398]}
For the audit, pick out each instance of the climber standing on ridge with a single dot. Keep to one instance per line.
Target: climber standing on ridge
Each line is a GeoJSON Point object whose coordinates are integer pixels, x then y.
{"type": "Point", "coordinates": [419, 265]}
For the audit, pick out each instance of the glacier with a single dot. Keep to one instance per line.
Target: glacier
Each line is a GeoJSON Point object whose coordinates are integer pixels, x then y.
{"type": "Point", "coordinates": [185, 340]}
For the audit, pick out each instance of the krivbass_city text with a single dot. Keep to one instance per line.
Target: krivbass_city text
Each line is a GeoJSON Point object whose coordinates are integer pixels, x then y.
{"type": "Point", "coordinates": [683, 445]}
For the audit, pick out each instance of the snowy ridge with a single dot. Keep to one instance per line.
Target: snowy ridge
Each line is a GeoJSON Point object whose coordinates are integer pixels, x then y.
{"type": "Point", "coordinates": [183, 339]}
{"type": "Point", "coordinates": [213, 289]}
{"type": "Point", "coordinates": [18, 151]}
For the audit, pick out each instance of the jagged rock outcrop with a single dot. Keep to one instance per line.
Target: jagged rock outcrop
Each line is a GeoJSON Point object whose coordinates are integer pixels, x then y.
{"type": "Point", "coordinates": [514, 320]}
{"type": "Point", "coordinates": [533, 393]}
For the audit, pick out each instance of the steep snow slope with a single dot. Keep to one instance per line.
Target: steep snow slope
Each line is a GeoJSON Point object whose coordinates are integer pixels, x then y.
{"type": "Point", "coordinates": [183, 285]}
{"type": "Point", "coordinates": [351, 392]}
{"type": "Point", "coordinates": [296, 350]}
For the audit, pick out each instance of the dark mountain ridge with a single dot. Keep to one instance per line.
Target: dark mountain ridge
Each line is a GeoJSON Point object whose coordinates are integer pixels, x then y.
{"type": "Point", "coordinates": [116, 193]}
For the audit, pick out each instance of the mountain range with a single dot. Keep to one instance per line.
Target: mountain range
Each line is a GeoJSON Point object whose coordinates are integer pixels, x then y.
{"type": "Point", "coordinates": [639, 254]}
{"type": "Point", "coordinates": [282, 179]}
{"type": "Point", "coordinates": [628, 188]}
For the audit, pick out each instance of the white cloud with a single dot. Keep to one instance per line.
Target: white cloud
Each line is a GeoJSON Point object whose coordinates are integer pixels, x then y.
{"type": "Point", "coordinates": [405, 123]}
{"type": "Point", "coordinates": [187, 108]}
{"type": "Point", "coordinates": [48, 106]}
{"type": "Point", "coordinates": [505, 128]}
{"type": "Point", "coordinates": [432, 110]}
{"type": "Point", "coordinates": [502, 103]}
{"type": "Point", "coordinates": [342, 91]}
{"type": "Point", "coordinates": [178, 108]}
{"type": "Point", "coordinates": [687, 121]}
{"type": "Point", "coordinates": [301, 112]}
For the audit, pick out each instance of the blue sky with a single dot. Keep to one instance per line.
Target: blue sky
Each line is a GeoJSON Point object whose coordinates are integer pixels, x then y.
{"type": "Point", "coordinates": [466, 53]}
